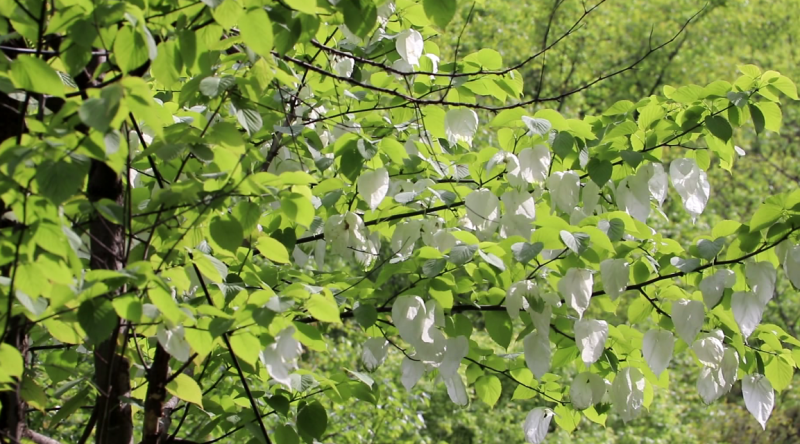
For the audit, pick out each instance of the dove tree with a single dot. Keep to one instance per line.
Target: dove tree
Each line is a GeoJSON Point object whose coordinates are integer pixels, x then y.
{"type": "Point", "coordinates": [198, 197]}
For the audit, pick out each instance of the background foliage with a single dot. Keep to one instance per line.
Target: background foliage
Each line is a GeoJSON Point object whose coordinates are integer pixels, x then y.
{"type": "Point", "coordinates": [166, 198]}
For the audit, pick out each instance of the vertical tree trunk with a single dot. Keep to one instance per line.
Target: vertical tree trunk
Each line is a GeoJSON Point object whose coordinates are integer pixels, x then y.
{"type": "Point", "coordinates": [12, 416]}
{"type": "Point", "coordinates": [112, 370]}
{"type": "Point", "coordinates": [154, 415]}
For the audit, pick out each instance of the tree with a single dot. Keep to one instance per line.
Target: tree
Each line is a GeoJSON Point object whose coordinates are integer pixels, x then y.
{"type": "Point", "coordinates": [198, 197]}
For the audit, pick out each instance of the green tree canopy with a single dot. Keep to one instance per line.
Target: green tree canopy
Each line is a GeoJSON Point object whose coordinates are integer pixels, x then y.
{"type": "Point", "coordinates": [203, 200]}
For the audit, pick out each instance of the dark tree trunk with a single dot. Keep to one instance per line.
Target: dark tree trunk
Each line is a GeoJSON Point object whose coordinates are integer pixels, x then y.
{"type": "Point", "coordinates": [154, 414]}
{"type": "Point", "coordinates": [12, 416]}
{"type": "Point", "coordinates": [112, 369]}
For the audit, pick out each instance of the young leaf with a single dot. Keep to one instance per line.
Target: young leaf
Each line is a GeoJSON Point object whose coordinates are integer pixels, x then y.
{"type": "Point", "coordinates": [185, 388]}
{"type": "Point", "coordinates": [488, 389]}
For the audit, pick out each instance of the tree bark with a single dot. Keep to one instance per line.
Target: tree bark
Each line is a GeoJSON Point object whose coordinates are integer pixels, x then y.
{"type": "Point", "coordinates": [154, 415]}
{"type": "Point", "coordinates": [112, 369]}
{"type": "Point", "coordinates": [12, 416]}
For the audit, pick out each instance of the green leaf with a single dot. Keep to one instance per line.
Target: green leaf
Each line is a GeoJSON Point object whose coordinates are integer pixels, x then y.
{"type": "Point", "coordinates": [256, 31]}
{"type": "Point", "coordinates": [600, 171]}
{"type": "Point", "coordinates": [766, 215]}
{"type": "Point", "coordinates": [226, 233]}
{"type": "Point", "coordinates": [97, 318]}
{"type": "Point", "coordinates": [35, 75]}
{"type": "Point", "coordinates": [168, 64]}
{"type": "Point", "coordinates": [359, 16]}
{"type": "Point", "coordinates": [12, 363]}
{"type": "Point", "coordinates": [304, 6]}
{"type": "Point", "coordinates": [130, 49]}
{"type": "Point", "coordinates": [440, 12]}
{"type": "Point", "coordinates": [312, 420]}
{"type": "Point", "coordinates": [299, 209]}
{"type": "Point", "coordinates": [639, 310]}
{"type": "Point", "coordinates": [246, 347]}
{"type": "Point", "coordinates": [366, 315]}
{"type": "Point", "coordinates": [772, 115]}
{"type": "Point", "coordinates": [323, 308]}
{"type": "Point", "coordinates": [285, 434]}
{"type": "Point", "coordinates": [576, 242]}
{"type": "Point", "coordinates": [68, 408]}
{"type": "Point", "coordinates": [719, 127]}
{"type": "Point", "coordinates": [33, 394]}
{"type": "Point", "coordinates": [272, 250]}
{"type": "Point", "coordinates": [567, 417]}
{"type": "Point", "coordinates": [58, 181]}
{"type": "Point", "coordinates": [498, 324]}
{"type": "Point", "coordinates": [128, 307]}
{"type": "Point", "coordinates": [247, 214]}
{"type": "Point", "coordinates": [185, 388]}
{"type": "Point", "coordinates": [214, 86]}
{"type": "Point", "coordinates": [227, 13]}
{"type": "Point", "coordinates": [309, 336]}
{"type": "Point", "coordinates": [758, 118]}
{"type": "Point", "coordinates": [489, 389]}
{"type": "Point", "coordinates": [100, 112]}
{"type": "Point", "coordinates": [779, 372]}
{"type": "Point", "coordinates": [524, 252]}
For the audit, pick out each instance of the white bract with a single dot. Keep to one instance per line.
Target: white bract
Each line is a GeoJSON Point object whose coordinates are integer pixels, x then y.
{"type": "Point", "coordinates": [761, 277]}
{"type": "Point", "coordinates": [519, 203]}
{"type": "Point", "coordinates": [456, 389]}
{"type": "Point", "coordinates": [174, 342]}
{"type": "Point", "coordinates": [537, 352]}
{"type": "Point", "coordinates": [713, 286]}
{"type": "Point", "coordinates": [372, 186]}
{"type": "Point", "coordinates": [412, 371]}
{"type": "Point", "coordinates": [536, 424]}
{"type": "Point", "coordinates": [460, 124]}
{"type": "Point", "coordinates": [565, 188]}
{"type": "Point", "coordinates": [657, 346]}
{"type": "Point", "coordinates": [791, 265]}
{"type": "Point", "coordinates": [344, 66]}
{"type": "Point", "coordinates": [409, 45]}
{"type": "Point", "coordinates": [586, 390]}
{"type": "Point", "coordinates": [350, 239]}
{"type": "Point", "coordinates": [533, 164]}
{"type": "Point", "coordinates": [280, 356]}
{"type": "Point", "coordinates": [657, 181]}
{"type": "Point", "coordinates": [691, 183]}
{"type": "Point", "coordinates": [456, 349]}
{"type": "Point", "coordinates": [404, 239]}
{"type": "Point", "coordinates": [758, 397]}
{"type": "Point", "coordinates": [576, 288]}
{"type": "Point", "coordinates": [590, 337]}
{"type": "Point", "coordinates": [374, 352]}
{"type": "Point", "coordinates": [627, 393]}
{"type": "Point", "coordinates": [633, 197]}
{"type": "Point", "coordinates": [515, 297]}
{"type": "Point", "coordinates": [709, 350]}
{"type": "Point", "coordinates": [688, 318]}
{"type": "Point", "coordinates": [615, 274]}
{"type": "Point", "coordinates": [747, 309]}
{"type": "Point", "coordinates": [483, 210]}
